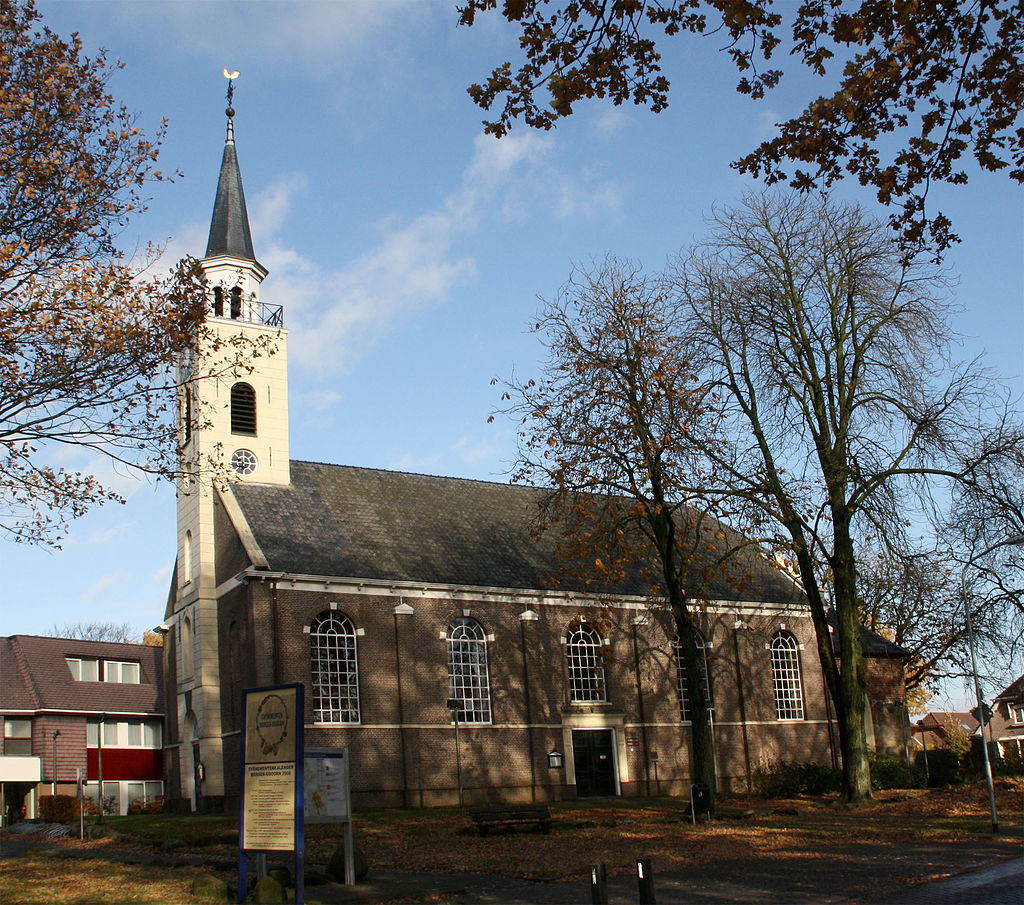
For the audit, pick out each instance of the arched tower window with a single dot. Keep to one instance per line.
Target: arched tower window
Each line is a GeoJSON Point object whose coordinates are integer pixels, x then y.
{"type": "Point", "coordinates": [218, 301]}
{"type": "Point", "coordinates": [789, 696]}
{"type": "Point", "coordinates": [186, 418]}
{"type": "Point", "coordinates": [243, 409]}
{"type": "Point", "coordinates": [586, 667]}
{"type": "Point", "coordinates": [186, 647]}
{"type": "Point", "coordinates": [468, 681]}
{"type": "Point", "coordinates": [335, 669]}
{"type": "Point", "coordinates": [684, 688]}
{"type": "Point", "coordinates": [236, 302]}
{"type": "Point", "coordinates": [186, 558]}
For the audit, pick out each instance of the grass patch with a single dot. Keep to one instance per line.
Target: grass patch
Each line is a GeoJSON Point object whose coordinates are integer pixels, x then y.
{"type": "Point", "coordinates": [44, 880]}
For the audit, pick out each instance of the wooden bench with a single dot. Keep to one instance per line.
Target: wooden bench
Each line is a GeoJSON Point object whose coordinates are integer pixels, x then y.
{"type": "Point", "coordinates": [509, 816]}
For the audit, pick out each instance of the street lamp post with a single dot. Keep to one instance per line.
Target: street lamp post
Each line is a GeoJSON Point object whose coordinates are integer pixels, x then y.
{"type": "Point", "coordinates": [56, 735]}
{"type": "Point", "coordinates": [1015, 541]}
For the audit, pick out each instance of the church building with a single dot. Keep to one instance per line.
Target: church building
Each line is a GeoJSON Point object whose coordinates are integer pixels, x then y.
{"type": "Point", "coordinates": [420, 616]}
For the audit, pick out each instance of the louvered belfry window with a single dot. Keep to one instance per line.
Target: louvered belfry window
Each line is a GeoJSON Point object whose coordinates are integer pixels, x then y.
{"type": "Point", "coordinates": [243, 409]}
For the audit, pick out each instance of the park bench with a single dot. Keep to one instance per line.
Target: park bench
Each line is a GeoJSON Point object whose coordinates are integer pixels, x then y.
{"type": "Point", "coordinates": [508, 816]}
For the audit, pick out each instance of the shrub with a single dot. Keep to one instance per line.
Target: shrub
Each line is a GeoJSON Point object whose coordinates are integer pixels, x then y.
{"type": "Point", "coordinates": [889, 772]}
{"type": "Point", "coordinates": [1011, 763]}
{"type": "Point", "coordinates": [155, 805]}
{"type": "Point", "coordinates": [943, 766]}
{"type": "Point", "coordinates": [782, 780]}
{"type": "Point", "coordinates": [58, 808]}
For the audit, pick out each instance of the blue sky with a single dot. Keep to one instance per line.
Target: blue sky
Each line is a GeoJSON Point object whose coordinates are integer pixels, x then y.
{"type": "Point", "coordinates": [408, 249]}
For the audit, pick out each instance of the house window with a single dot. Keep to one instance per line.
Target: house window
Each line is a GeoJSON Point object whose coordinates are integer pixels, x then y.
{"type": "Point", "coordinates": [684, 688]}
{"type": "Point", "coordinates": [467, 670]}
{"type": "Point", "coordinates": [332, 642]}
{"type": "Point", "coordinates": [789, 699]}
{"type": "Point", "coordinates": [126, 673]}
{"type": "Point", "coordinates": [84, 669]}
{"type": "Point", "coordinates": [243, 409]}
{"type": "Point", "coordinates": [1017, 713]}
{"type": "Point", "coordinates": [17, 738]}
{"type": "Point", "coordinates": [586, 669]}
{"type": "Point", "coordinates": [124, 733]}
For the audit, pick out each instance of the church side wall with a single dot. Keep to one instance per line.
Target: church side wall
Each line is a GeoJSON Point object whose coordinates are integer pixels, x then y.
{"type": "Point", "coordinates": [403, 748]}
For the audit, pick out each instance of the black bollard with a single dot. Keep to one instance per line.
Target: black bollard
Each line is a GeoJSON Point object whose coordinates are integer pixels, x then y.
{"type": "Point", "coordinates": [644, 881]}
{"type": "Point", "coordinates": [598, 884]}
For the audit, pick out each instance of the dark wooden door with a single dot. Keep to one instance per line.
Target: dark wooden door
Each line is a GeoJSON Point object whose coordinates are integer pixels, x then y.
{"type": "Point", "coordinates": [593, 756]}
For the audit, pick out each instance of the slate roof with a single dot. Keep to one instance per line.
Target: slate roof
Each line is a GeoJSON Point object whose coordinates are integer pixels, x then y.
{"type": "Point", "coordinates": [348, 522]}
{"type": "Point", "coordinates": [229, 227]}
{"type": "Point", "coordinates": [872, 644]}
{"type": "Point", "coordinates": [34, 676]}
{"type": "Point", "coordinates": [1013, 692]}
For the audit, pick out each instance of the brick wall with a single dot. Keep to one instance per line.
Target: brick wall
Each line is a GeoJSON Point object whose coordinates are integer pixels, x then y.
{"type": "Point", "coordinates": [403, 749]}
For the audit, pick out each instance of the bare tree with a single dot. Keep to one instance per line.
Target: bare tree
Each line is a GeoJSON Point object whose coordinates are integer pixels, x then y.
{"type": "Point", "coordinates": [96, 631]}
{"type": "Point", "coordinates": [610, 427]}
{"type": "Point", "coordinates": [830, 354]}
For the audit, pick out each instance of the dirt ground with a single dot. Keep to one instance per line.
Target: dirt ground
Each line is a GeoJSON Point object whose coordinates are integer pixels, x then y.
{"type": "Point", "coordinates": [756, 850]}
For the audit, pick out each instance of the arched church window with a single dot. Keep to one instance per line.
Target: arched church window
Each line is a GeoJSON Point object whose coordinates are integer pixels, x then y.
{"type": "Point", "coordinates": [585, 664]}
{"type": "Point", "coordinates": [218, 301]}
{"type": "Point", "coordinates": [789, 696]}
{"type": "Point", "coordinates": [236, 302]}
{"type": "Point", "coordinates": [243, 409]}
{"type": "Point", "coordinates": [335, 670]}
{"type": "Point", "coordinates": [468, 682]}
{"type": "Point", "coordinates": [684, 686]}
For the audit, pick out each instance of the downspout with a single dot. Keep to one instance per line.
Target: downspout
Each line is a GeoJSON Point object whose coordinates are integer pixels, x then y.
{"type": "Point", "coordinates": [273, 632]}
{"type": "Point", "coordinates": [640, 708]}
{"type": "Point", "coordinates": [529, 711]}
{"type": "Point", "coordinates": [401, 714]}
{"type": "Point", "coordinates": [737, 625]}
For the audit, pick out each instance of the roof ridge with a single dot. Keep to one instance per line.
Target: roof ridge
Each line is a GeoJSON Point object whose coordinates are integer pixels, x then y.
{"type": "Point", "coordinates": [418, 474]}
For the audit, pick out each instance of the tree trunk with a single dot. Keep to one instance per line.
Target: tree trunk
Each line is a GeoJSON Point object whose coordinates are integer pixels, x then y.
{"type": "Point", "coordinates": [850, 707]}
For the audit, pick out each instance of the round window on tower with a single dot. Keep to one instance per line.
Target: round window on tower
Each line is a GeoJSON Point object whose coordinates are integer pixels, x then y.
{"type": "Point", "coordinates": [244, 461]}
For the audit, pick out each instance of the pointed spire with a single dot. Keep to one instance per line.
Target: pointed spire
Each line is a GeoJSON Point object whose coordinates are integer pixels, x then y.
{"type": "Point", "coordinates": [229, 228]}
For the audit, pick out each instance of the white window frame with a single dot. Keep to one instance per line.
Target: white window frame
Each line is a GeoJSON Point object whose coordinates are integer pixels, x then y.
{"type": "Point", "coordinates": [584, 662]}
{"type": "Point", "coordinates": [468, 677]}
{"type": "Point", "coordinates": [114, 670]}
{"type": "Point", "coordinates": [334, 666]}
{"type": "Point", "coordinates": [786, 679]}
{"type": "Point", "coordinates": [76, 664]}
{"type": "Point", "coordinates": [684, 689]}
{"type": "Point", "coordinates": [19, 731]}
{"type": "Point", "coordinates": [117, 734]}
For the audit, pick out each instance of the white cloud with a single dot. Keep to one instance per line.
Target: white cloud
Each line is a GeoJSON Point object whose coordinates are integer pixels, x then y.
{"type": "Point", "coordinates": [162, 575]}
{"type": "Point", "coordinates": [337, 314]}
{"type": "Point", "coordinates": [322, 38]}
{"type": "Point", "coordinates": [115, 581]}
{"type": "Point", "coordinates": [98, 538]}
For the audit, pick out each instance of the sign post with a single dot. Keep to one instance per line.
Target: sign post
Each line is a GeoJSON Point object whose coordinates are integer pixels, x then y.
{"type": "Point", "coordinates": [328, 797]}
{"type": "Point", "coordinates": [271, 818]}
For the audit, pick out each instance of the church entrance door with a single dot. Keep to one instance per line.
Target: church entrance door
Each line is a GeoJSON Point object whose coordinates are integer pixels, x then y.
{"type": "Point", "coordinates": [593, 757]}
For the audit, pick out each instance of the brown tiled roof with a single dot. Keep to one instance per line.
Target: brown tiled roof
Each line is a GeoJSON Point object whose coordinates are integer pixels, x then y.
{"type": "Point", "coordinates": [34, 676]}
{"type": "Point", "coordinates": [1013, 692]}
{"type": "Point", "coordinates": [348, 522]}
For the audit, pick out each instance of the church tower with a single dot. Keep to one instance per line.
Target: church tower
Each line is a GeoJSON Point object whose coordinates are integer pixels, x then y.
{"type": "Point", "coordinates": [234, 427]}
